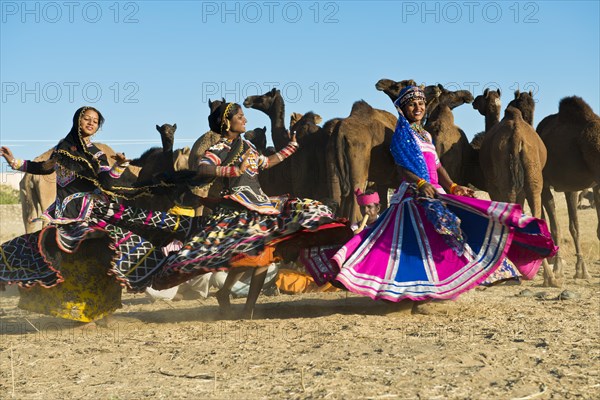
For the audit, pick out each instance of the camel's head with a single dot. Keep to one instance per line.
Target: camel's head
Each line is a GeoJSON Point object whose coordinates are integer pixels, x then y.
{"type": "Point", "coordinates": [525, 103]}
{"type": "Point", "coordinates": [432, 92]}
{"type": "Point", "coordinates": [393, 88]}
{"type": "Point", "coordinates": [258, 137]}
{"type": "Point", "coordinates": [213, 105]}
{"type": "Point", "coordinates": [263, 102]}
{"type": "Point", "coordinates": [305, 125]}
{"type": "Point", "coordinates": [454, 99]}
{"type": "Point", "coordinates": [167, 131]}
{"type": "Point", "coordinates": [488, 103]}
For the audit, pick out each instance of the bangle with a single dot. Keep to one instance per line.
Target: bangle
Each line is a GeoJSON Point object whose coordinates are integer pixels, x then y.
{"type": "Point", "coordinates": [228, 172]}
{"type": "Point", "coordinates": [453, 188]}
{"type": "Point", "coordinates": [420, 183]}
{"type": "Point", "coordinates": [16, 163]}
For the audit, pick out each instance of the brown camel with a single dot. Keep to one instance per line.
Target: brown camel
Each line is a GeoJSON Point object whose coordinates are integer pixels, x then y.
{"type": "Point", "coordinates": [278, 180]}
{"type": "Point", "coordinates": [361, 153]}
{"type": "Point", "coordinates": [512, 156]}
{"type": "Point", "coordinates": [572, 138]}
{"type": "Point", "coordinates": [586, 194]}
{"type": "Point", "coordinates": [489, 105]}
{"type": "Point", "coordinates": [451, 143]}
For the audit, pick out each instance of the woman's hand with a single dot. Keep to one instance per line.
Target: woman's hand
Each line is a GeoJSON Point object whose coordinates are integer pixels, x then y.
{"type": "Point", "coordinates": [428, 190]}
{"type": "Point", "coordinates": [120, 158]}
{"type": "Point", "coordinates": [292, 136]}
{"type": "Point", "coordinates": [7, 154]}
{"type": "Point", "coordinates": [464, 191]}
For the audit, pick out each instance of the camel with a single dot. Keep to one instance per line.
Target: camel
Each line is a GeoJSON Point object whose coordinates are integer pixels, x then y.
{"type": "Point", "coordinates": [489, 105]}
{"type": "Point", "coordinates": [258, 137]}
{"type": "Point", "coordinates": [360, 153]}
{"type": "Point", "coordinates": [151, 163]}
{"type": "Point", "coordinates": [308, 169]}
{"type": "Point", "coordinates": [451, 143]}
{"type": "Point", "coordinates": [586, 194]}
{"type": "Point", "coordinates": [572, 138]}
{"type": "Point", "coordinates": [512, 157]}
{"type": "Point", "coordinates": [272, 104]}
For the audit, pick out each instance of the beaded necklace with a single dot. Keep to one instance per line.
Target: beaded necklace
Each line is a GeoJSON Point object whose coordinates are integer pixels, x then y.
{"type": "Point", "coordinates": [420, 131]}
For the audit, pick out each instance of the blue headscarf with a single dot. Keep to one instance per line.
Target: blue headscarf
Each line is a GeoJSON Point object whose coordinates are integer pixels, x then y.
{"type": "Point", "coordinates": [404, 147]}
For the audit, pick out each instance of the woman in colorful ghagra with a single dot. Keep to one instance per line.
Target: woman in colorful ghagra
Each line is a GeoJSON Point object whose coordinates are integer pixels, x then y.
{"type": "Point", "coordinates": [247, 228]}
{"type": "Point", "coordinates": [433, 245]}
{"type": "Point", "coordinates": [86, 188]}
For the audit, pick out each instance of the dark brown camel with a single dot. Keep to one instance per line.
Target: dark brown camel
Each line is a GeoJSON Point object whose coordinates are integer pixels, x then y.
{"type": "Point", "coordinates": [308, 165]}
{"type": "Point", "coordinates": [258, 137]}
{"type": "Point", "coordinates": [278, 179]}
{"type": "Point", "coordinates": [152, 163]}
{"type": "Point", "coordinates": [572, 138]}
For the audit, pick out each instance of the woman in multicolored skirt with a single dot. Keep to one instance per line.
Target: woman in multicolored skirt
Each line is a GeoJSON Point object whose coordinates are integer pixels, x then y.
{"type": "Point", "coordinates": [43, 264]}
{"type": "Point", "coordinates": [247, 228]}
{"type": "Point", "coordinates": [433, 245]}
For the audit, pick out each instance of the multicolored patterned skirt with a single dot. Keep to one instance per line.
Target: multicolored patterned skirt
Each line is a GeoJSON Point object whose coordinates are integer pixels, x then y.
{"type": "Point", "coordinates": [408, 254]}
{"type": "Point", "coordinates": [58, 279]}
{"type": "Point", "coordinates": [234, 235]}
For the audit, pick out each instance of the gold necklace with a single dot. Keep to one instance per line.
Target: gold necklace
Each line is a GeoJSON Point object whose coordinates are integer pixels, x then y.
{"type": "Point", "coordinates": [420, 131]}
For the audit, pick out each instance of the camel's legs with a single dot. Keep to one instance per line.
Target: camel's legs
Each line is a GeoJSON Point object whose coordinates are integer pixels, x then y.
{"type": "Point", "coordinates": [256, 284]}
{"type": "Point", "coordinates": [550, 275]}
{"type": "Point", "coordinates": [580, 268]}
{"type": "Point", "coordinates": [597, 205]}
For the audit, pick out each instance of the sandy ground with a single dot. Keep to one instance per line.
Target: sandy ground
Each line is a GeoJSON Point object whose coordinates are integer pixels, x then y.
{"type": "Point", "coordinates": [488, 344]}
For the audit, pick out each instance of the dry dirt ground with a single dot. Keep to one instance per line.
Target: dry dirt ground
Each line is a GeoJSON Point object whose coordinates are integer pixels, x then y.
{"type": "Point", "coordinates": [488, 344]}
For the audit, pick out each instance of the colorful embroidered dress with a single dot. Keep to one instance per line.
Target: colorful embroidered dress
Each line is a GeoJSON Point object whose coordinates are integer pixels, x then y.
{"type": "Point", "coordinates": [70, 286]}
{"type": "Point", "coordinates": [247, 226]}
{"type": "Point", "coordinates": [424, 248]}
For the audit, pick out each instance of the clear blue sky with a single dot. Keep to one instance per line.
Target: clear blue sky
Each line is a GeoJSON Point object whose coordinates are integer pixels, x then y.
{"type": "Point", "coordinates": [144, 63]}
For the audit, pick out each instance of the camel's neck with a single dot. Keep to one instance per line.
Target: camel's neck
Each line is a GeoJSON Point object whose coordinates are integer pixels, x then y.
{"type": "Point", "coordinates": [491, 119]}
{"type": "Point", "coordinates": [527, 116]}
{"type": "Point", "coordinates": [277, 116]}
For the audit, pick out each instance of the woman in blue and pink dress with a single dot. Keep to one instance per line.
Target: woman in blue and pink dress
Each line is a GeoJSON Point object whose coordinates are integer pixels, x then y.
{"type": "Point", "coordinates": [429, 244]}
